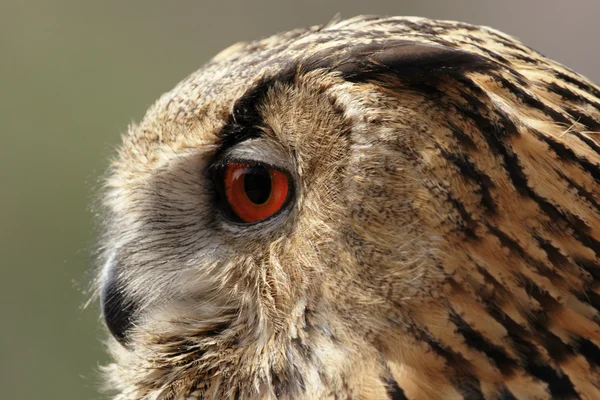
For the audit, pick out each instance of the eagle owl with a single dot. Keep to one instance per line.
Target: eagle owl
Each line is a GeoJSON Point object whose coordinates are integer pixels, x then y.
{"type": "Point", "coordinates": [377, 208]}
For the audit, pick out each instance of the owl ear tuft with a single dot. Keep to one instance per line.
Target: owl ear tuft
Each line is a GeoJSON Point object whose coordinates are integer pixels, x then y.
{"type": "Point", "coordinates": [405, 60]}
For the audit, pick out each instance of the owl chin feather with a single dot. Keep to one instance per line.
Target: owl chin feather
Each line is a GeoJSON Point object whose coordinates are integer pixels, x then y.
{"type": "Point", "coordinates": [413, 212]}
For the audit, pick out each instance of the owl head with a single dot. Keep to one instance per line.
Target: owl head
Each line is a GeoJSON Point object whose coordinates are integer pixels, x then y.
{"type": "Point", "coordinates": [358, 210]}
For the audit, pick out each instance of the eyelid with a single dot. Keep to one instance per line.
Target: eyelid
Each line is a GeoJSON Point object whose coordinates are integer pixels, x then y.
{"type": "Point", "coordinates": [260, 151]}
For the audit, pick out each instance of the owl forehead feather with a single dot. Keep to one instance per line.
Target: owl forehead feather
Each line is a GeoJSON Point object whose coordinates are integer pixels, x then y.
{"type": "Point", "coordinates": [408, 62]}
{"type": "Point", "coordinates": [359, 49]}
{"type": "Point", "coordinates": [234, 98]}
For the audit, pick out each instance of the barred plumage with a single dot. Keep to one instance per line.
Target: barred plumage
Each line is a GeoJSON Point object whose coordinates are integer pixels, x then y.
{"type": "Point", "coordinates": [442, 239]}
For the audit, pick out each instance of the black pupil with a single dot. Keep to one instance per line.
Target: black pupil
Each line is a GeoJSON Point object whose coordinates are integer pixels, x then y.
{"type": "Point", "coordinates": [257, 184]}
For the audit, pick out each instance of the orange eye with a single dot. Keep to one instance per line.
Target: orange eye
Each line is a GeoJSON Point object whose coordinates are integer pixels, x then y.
{"type": "Point", "coordinates": [255, 192]}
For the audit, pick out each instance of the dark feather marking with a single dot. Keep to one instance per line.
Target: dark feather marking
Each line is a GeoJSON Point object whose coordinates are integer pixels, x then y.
{"type": "Point", "coordinates": [555, 115]}
{"type": "Point", "coordinates": [590, 351]}
{"type": "Point", "coordinates": [519, 251]}
{"type": "Point", "coordinates": [470, 388]}
{"type": "Point", "coordinates": [580, 84]}
{"type": "Point", "coordinates": [424, 28]}
{"type": "Point", "coordinates": [477, 341]}
{"type": "Point", "coordinates": [464, 139]}
{"type": "Point", "coordinates": [569, 95]}
{"type": "Point", "coordinates": [470, 171]}
{"type": "Point", "coordinates": [287, 383]}
{"type": "Point", "coordinates": [559, 260]}
{"type": "Point", "coordinates": [502, 60]}
{"type": "Point", "coordinates": [591, 267]}
{"type": "Point", "coordinates": [591, 144]}
{"type": "Point", "coordinates": [554, 255]}
{"type": "Point", "coordinates": [557, 349]}
{"type": "Point", "coordinates": [523, 57]}
{"type": "Point", "coordinates": [499, 292]}
{"type": "Point", "coordinates": [408, 61]}
{"type": "Point", "coordinates": [493, 134]}
{"type": "Point", "coordinates": [581, 191]}
{"type": "Point", "coordinates": [394, 391]}
{"type": "Point", "coordinates": [590, 297]}
{"type": "Point", "coordinates": [469, 224]}
{"type": "Point", "coordinates": [531, 101]}
{"type": "Point", "coordinates": [559, 384]}
{"type": "Point", "coordinates": [505, 394]}
{"type": "Point", "coordinates": [507, 43]}
{"type": "Point", "coordinates": [465, 381]}
{"type": "Point", "coordinates": [567, 154]}
{"type": "Point", "coordinates": [194, 385]}
{"type": "Point", "coordinates": [579, 226]}
{"type": "Point", "coordinates": [583, 118]}
{"type": "Point", "coordinates": [245, 120]}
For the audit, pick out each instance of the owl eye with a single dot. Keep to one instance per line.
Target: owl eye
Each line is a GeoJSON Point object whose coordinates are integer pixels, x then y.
{"type": "Point", "coordinates": [255, 192]}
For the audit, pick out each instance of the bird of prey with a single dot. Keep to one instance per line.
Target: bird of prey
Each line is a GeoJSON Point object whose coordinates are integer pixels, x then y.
{"type": "Point", "coordinates": [376, 208]}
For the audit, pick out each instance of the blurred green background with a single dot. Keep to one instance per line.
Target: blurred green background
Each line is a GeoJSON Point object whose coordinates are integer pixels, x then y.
{"type": "Point", "coordinates": [73, 74]}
